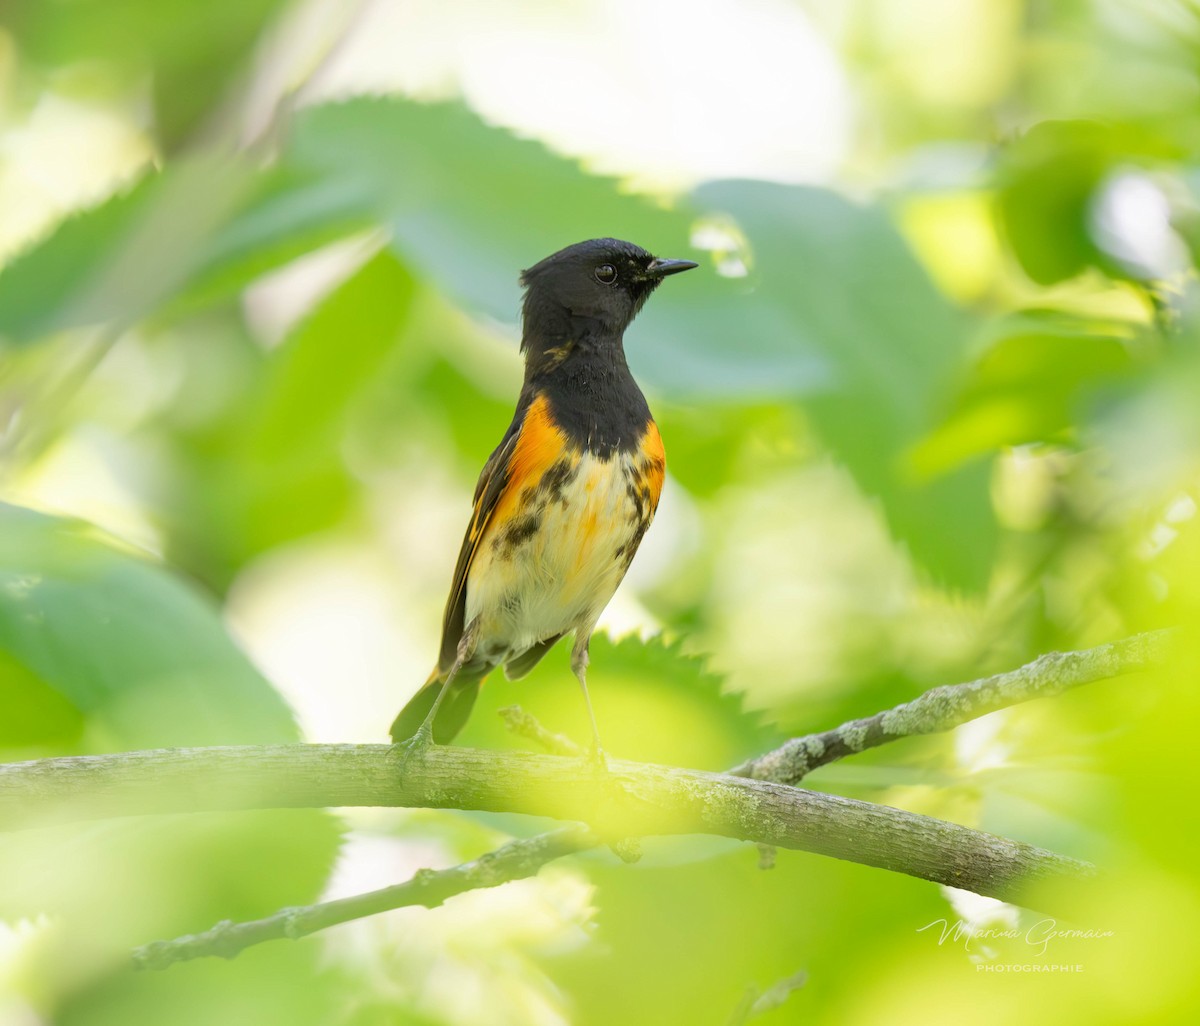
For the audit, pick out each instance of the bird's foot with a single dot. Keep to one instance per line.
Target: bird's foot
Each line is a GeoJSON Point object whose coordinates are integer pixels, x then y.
{"type": "Point", "coordinates": [596, 761]}
{"type": "Point", "coordinates": [414, 747]}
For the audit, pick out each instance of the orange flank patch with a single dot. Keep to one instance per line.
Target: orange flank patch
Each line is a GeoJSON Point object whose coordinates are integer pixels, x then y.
{"type": "Point", "coordinates": [655, 457]}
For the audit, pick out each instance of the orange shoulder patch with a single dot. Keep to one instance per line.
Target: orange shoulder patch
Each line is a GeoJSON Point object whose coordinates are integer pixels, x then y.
{"type": "Point", "coordinates": [540, 445]}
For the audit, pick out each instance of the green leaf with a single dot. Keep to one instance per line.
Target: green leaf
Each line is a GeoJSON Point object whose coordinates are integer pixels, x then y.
{"type": "Point", "coordinates": [118, 262]}
{"type": "Point", "coordinates": [421, 164]}
{"type": "Point", "coordinates": [1027, 385]}
{"type": "Point", "coordinates": [470, 205]}
{"type": "Point", "coordinates": [323, 365]}
{"type": "Point", "coordinates": [140, 653]}
{"type": "Point", "coordinates": [1046, 181]}
{"type": "Point", "coordinates": [97, 634]}
{"type": "Point", "coordinates": [277, 470]}
{"type": "Point", "coordinates": [287, 215]}
{"type": "Point", "coordinates": [176, 240]}
{"type": "Point", "coordinates": [35, 714]}
{"type": "Point", "coordinates": [191, 53]}
{"type": "Point", "coordinates": [35, 288]}
{"type": "Point", "coordinates": [834, 285]}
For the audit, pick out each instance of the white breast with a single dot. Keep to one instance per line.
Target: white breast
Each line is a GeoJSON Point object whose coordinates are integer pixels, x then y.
{"type": "Point", "coordinates": [554, 569]}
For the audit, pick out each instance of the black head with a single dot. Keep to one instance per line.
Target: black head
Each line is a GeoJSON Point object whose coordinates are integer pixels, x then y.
{"type": "Point", "coordinates": [592, 288]}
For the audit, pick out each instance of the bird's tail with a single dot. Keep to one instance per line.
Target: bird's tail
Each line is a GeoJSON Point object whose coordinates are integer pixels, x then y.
{"type": "Point", "coordinates": [451, 717]}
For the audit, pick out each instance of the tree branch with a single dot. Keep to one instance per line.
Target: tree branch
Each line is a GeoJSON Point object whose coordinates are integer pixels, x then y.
{"type": "Point", "coordinates": [937, 710]}
{"type": "Point", "coordinates": [429, 888]}
{"type": "Point", "coordinates": [632, 800]}
{"type": "Point", "coordinates": [944, 708]}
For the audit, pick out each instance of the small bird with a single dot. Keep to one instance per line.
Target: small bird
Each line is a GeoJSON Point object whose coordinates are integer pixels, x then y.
{"type": "Point", "coordinates": [564, 500]}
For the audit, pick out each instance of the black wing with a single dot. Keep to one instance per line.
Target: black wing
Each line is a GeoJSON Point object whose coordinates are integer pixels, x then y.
{"type": "Point", "coordinates": [488, 490]}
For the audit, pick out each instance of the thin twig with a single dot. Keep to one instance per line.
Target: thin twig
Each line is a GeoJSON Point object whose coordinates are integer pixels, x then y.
{"type": "Point", "coordinates": [754, 1004]}
{"type": "Point", "coordinates": [430, 888]}
{"type": "Point", "coordinates": [525, 725]}
{"type": "Point", "coordinates": [944, 708]}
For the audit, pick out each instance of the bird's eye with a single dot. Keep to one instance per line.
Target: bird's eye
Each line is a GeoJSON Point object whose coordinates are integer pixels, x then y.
{"type": "Point", "coordinates": [606, 274]}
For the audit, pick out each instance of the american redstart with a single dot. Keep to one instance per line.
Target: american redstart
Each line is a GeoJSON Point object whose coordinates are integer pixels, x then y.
{"type": "Point", "coordinates": [564, 500]}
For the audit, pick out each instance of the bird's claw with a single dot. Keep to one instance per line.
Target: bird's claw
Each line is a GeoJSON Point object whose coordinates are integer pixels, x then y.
{"type": "Point", "coordinates": [414, 747]}
{"type": "Point", "coordinates": [596, 761]}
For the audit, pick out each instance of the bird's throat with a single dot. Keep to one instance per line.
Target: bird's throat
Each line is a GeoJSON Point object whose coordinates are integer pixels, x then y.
{"type": "Point", "coordinates": [592, 396]}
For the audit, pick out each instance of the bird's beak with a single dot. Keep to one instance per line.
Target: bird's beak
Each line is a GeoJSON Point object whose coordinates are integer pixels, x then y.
{"type": "Point", "coordinates": [661, 268]}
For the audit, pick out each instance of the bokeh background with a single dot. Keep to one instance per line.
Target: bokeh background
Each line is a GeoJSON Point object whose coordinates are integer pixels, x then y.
{"type": "Point", "coordinates": [931, 408]}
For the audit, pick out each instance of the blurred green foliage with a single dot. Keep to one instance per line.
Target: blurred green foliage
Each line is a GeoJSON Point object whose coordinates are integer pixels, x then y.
{"type": "Point", "coordinates": [919, 429]}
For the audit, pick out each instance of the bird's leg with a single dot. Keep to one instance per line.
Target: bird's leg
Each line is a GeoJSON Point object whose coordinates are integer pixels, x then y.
{"type": "Point", "coordinates": [579, 665]}
{"type": "Point", "coordinates": [423, 738]}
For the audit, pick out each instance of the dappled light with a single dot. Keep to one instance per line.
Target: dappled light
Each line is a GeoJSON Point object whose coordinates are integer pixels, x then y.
{"type": "Point", "coordinates": [930, 403]}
